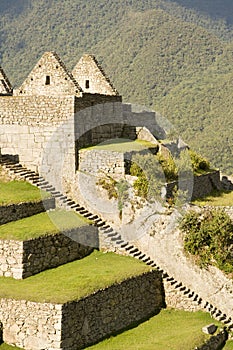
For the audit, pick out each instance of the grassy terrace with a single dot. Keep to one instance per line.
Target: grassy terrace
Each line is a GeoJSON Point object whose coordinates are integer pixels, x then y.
{"type": "Point", "coordinates": [216, 198]}
{"type": "Point", "coordinates": [74, 280]}
{"type": "Point", "coordinates": [122, 145]}
{"type": "Point", "coordinates": [170, 330]}
{"type": "Point", "coordinates": [14, 192]}
{"type": "Point", "coordinates": [41, 224]}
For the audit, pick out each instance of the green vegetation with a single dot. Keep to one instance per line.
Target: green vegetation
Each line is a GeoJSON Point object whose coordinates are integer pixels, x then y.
{"type": "Point", "coordinates": [175, 56]}
{"type": "Point", "coordinates": [229, 345]}
{"type": "Point", "coordinates": [170, 329]}
{"type": "Point", "coordinates": [149, 174]}
{"type": "Point", "coordinates": [109, 184]}
{"type": "Point", "coordinates": [74, 280]}
{"type": "Point", "coordinates": [123, 145]}
{"type": "Point", "coordinates": [154, 170]}
{"type": "Point", "coordinates": [20, 191]}
{"type": "Point", "coordinates": [46, 223]}
{"type": "Point", "coordinates": [209, 237]}
{"type": "Point", "coordinates": [216, 198]}
{"type": "Point", "coordinates": [9, 347]}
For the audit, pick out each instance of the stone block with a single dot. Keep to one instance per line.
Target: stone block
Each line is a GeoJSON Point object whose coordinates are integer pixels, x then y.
{"type": "Point", "coordinates": [209, 329]}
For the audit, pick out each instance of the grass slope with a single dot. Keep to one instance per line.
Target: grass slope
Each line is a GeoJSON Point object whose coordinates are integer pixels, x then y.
{"type": "Point", "coordinates": [216, 199]}
{"type": "Point", "coordinates": [122, 145]}
{"type": "Point", "coordinates": [46, 223]}
{"type": "Point", "coordinates": [170, 329]}
{"type": "Point", "coordinates": [9, 347]}
{"type": "Point", "coordinates": [74, 280]}
{"type": "Point", "coordinates": [14, 192]}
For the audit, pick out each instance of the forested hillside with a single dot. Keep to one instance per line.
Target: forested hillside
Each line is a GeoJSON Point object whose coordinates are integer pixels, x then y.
{"type": "Point", "coordinates": [174, 56]}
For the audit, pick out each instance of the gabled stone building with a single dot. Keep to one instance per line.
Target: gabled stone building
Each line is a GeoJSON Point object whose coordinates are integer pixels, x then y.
{"type": "Point", "coordinates": [54, 113]}
{"type": "Point", "coordinates": [92, 78]}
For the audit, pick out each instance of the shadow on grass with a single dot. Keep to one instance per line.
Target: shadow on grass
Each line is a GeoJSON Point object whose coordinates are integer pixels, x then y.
{"type": "Point", "coordinates": [124, 329]}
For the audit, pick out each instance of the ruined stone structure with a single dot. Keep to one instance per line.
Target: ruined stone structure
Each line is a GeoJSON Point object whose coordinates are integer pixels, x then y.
{"type": "Point", "coordinates": [55, 113]}
{"type": "Point", "coordinates": [44, 124]}
{"type": "Point", "coordinates": [77, 324]}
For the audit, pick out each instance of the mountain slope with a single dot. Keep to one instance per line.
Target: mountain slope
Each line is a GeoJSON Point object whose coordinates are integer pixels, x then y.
{"type": "Point", "coordinates": [201, 109]}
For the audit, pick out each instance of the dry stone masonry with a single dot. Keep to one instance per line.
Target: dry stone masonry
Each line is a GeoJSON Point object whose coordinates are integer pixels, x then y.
{"type": "Point", "coordinates": [75, 325]}
{"type": "Point", "coordinates": [13, 212]}
{"type": "Point", "coordinates": [21, 259]}
{"type": "Point", "coordinates": [45, 124]}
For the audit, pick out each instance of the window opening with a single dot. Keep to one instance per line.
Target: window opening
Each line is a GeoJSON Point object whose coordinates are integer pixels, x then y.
{"type": "Point", "coordinates": [47, 80]}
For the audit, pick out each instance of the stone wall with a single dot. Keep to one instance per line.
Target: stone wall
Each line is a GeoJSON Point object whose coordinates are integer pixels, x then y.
{"type": "Point", "coordinates": [30, 325]}
{"type": "Point", "coordinates": [38, 129]}
{"type": "Point", "coordinates": [35, 110]}
{"type": "Point", "coordinates": [100, 162]}
{"type": "Point", "coordinates": [75, 325]}
{"type": "Point", "coordinates": [178, 300]}
{"type": "Point", "coordinates": [13, 212]}
{"type": "Point", "coordinates": [23, 259]}
{"type": "Point", "coordinates": [197, 186]}
{"type": "Point", "coordinates": [11, 258]}
{"type": "Point", "coordinates": [111, 310]}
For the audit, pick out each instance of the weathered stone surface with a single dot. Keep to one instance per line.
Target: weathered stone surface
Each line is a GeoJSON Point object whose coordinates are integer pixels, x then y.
{"type": "Point", "coordinates": [23, 259]}
{"type": "Point", "coordinates": [13, 212]}
{"type": "Point", "coordinates": [209, 329]}
{"type": "Point", "coordinates": [21, 324]}
{"type": "Point", "coordinates": [91, 76]}
{"type": "Point", "coordinates": [74, 325]}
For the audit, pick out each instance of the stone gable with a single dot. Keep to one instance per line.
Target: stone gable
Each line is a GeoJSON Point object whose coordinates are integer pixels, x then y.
{"type": "Point", "coordinates": [91, 77]}
{"type": "Point", "coordinates": [49, 77]}
{"type": "Point", "coordinates": [5, 85]}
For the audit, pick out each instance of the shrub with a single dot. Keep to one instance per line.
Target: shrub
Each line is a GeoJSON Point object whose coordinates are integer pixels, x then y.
{"type": "Point", "coordinates": [198, 162]}
{"type": "Point", "coordinates": [209, 237]}
{"type": "Point", "coordinates": [109, 184]}
{"type": "Point", "coordinates": [150, 176]}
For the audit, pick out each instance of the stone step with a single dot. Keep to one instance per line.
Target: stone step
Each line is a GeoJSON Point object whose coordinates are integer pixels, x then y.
{"type": "Point", "coordinates": [117, 238]}
{"type": "Point", "coordinates": [124, 244]}
{"type": "Point", "coordinates": [133, 250]}
{"type": "Point", "coordinates": [119, 242]}
{"type": "Point", "coordinates": [129, 247]}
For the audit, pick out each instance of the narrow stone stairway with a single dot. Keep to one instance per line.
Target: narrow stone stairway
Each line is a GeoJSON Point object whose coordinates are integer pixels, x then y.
{"type": "Point", "coordinates": [112, 236]}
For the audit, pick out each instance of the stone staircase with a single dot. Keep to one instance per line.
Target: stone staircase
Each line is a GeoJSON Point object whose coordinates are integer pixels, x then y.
{"type": "Point", "coordinates": [115, 239]}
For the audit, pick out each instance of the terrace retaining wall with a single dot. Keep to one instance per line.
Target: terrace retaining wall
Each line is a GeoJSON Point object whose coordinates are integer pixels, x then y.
{"type": "Point", "coordinates": [77, 324]}
{"type": "Point", "coordinates": [13, 212]}
{"type": "Point", "coordinates": [23, 259]}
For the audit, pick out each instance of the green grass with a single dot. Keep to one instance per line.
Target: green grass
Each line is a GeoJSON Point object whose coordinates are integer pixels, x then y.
{"type": "Point", "coordinates": [216, 198]}
{"type": "Point", "coordinates": [170, 329]}
{"type": "Point", "coordinates": [229, 345]}
{"type": "Point", "coordinates": [74, 280]}
{"type": "Point", "coordinates": [9, 347]}
{"type": "Point", "coordinates": [14, 192]}
{"type": "Point", "coordinates": [45, 223]}
{"type": "Point", "coordinates": [122, 145]}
